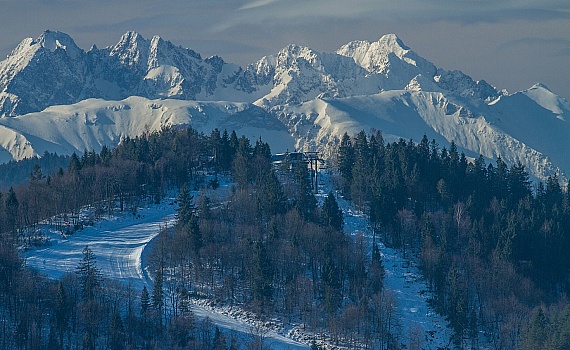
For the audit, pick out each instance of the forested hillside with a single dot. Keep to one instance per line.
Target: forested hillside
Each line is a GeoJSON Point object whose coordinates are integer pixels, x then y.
{"type": "Point", "coordinates": [493, 245]}
{"type": "Point", "coordinates": [84, 309]}
{"type": "Point", "coordinates": [15, 173]}
{"type": "Point", "coordinates": [269, 249]}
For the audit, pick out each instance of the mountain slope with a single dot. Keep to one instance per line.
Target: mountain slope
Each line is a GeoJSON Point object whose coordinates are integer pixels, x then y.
{"type": "Point", "coordinates": [476, 129]}
{"type": "Point", "coordinates": [92, 123]}
{"type": "Point", "coordinates": [314, 96]}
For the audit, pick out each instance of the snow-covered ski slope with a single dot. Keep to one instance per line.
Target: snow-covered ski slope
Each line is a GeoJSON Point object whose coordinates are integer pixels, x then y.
{"type": "Point", "coordinates": [402, 278]}
{"type": "Point", "coordinates": [118, 243]}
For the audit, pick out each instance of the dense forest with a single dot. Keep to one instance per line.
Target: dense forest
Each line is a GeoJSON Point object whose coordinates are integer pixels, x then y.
{"type": "Point", "coordinates": [18, 172]}
{"type": "Point", "coordinates": [492, 245]}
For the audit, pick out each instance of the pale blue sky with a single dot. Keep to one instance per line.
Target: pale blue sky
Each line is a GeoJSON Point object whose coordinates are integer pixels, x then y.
{"type": "Point", "coordinates": [512, 44]}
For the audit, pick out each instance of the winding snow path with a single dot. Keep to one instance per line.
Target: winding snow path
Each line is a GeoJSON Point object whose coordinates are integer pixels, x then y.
{"type": "Point", "coordinates": [119, 246]}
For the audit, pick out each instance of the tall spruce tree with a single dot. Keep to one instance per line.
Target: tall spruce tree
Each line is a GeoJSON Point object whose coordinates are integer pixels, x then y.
{"type": "Point", "coordinates": [158, 293]}
{"type": "Point", "coordinates": [262, 274]}
{"type": "Point", "coordinates": [116, 332]}
{"type": "Point", "coordinates": [194, 235]}
{"type": "Point", "coordinates": [12, 206]}
{"type": "Point", "coordinates": [331, 214]}
{"type": "Point", "coordinates": [346, 161]}
{"type": "Point", "coordinates": [145, 302]}
{"type": "Point", "coordinates": [89, 274]}
{"type": "Point", "coordinates": [62, 307]}
{"type": "Point", "coordinates": [305, 201]}
{"type": "Point", "coordinates": [186, 209]}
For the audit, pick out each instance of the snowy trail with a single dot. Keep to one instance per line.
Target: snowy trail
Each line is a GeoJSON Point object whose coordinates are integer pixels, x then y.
{"type": "Point", "coordinates": [119, 246]}
{"type": "Point", "coordinates": [223, 318]}
{"type": "Point", "coordinates": [402, 277]}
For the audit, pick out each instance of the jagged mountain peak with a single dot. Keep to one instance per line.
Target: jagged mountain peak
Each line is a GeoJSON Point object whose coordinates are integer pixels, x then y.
{"type": "Point", "coordinates": [378, 56]}
{"type": "Point", "coordinates": [539, 86]}
{"type": "Point", "coordinates": [55, 39]}
{"type": "Point", "coordinates": [393, 41]}
{"type": "Point", "coordinates": [131, 37]}
{"type": "Point", "coordinates": [387, 42]}
{"type": "Point", "coordinates": [157, 41]}
{"type": "Point", "coordinates": [389, 58]}
{"type": "Point", "coordinates": [49, 40]}
{"type": "Point", "coordinates": [290, 53]}
{"type": "Point", "coordinates": [132, 49]}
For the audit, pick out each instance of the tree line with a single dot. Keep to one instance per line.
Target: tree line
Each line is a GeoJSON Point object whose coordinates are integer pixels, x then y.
{"type": "Point", "coordinates": [492, 245]}
{"type": "Point", "coordinates": [18, 172]}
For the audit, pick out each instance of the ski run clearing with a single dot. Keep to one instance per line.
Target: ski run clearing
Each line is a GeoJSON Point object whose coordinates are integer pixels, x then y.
{"type": "Point", "coordinates": [119, 243]}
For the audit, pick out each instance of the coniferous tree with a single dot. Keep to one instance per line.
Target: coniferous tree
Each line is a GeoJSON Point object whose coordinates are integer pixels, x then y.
{"type": "Point", "coordinates": [262, 274]}
{"type": "Point", "coordinates": [145, 301]}
{"type": "Point", "coordinates": [158, 293]}
{"type": "Point", "coordinates": [537, 332]}
{"type": "Point", "coordinates": [226, 152]}
{"type": "Point", "coordinates": [331, 284]}
{"type": "Point", "coordinates": [186, 208]}
{"type": "Point", "coordinates": [116, 332]}
{"type": "Point", "coordinates": [89, 274]}
{"type": "Point", "coordinates": [346, 161]}
{"type": "Point", "coordinates": [241, 171]}
{"type": "Point", "coordinates": [74, 164]}
{"type": "Point", "coordinates": [195, 235]}
{"type": "Point", "coordinates": [12, 206]}
{"type": "Point", "coordinates": [519, 184]}
{"type": "Point", "coordinates": [61, 311]}
{"type": "Point", "coordinates": [272, 197]}
{"type": "Point", "coordinates": [331, 214]}
{"type": "Point", "coordinates": [305, 201]}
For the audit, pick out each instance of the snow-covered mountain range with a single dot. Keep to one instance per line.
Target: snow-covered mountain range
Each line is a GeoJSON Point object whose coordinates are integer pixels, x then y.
{"type": "Point", "coordinates": [55, 96]}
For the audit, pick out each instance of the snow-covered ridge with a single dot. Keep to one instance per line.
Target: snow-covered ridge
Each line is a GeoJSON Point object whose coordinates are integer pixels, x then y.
{"type": "Point", "coordinates": [514, 128]}
{"type": "Point", "coordinates": [52, 70]}
{"type": "Point", "coordinates": [313, 96]}
{"type": "Point", "coordinates": [92, 123]}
